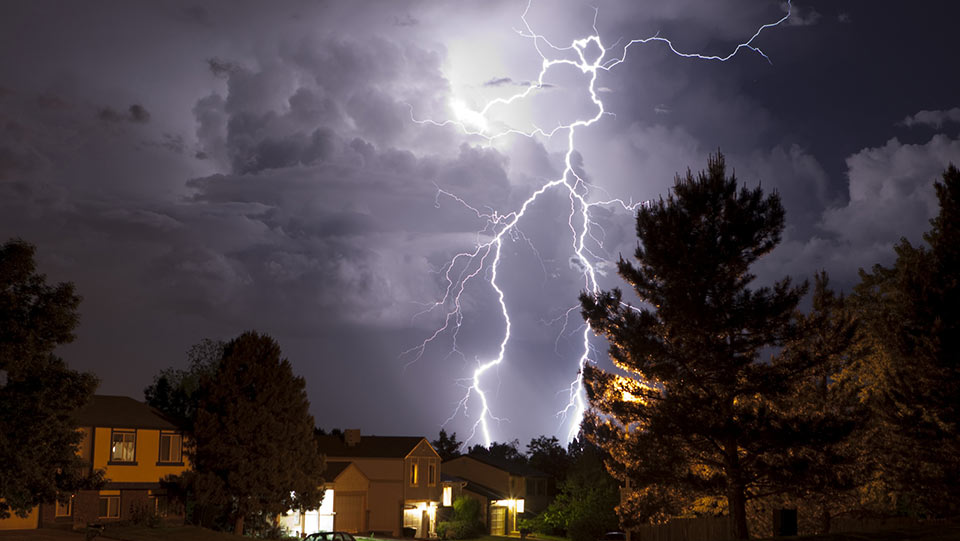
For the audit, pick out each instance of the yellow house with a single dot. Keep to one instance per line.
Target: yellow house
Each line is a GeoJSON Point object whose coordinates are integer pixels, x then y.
{"type": "Point", "coordinates": [136, 447]}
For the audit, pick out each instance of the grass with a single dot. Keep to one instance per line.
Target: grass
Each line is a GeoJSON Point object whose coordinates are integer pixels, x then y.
{"type": "Point", "coordinates": [172, 533]}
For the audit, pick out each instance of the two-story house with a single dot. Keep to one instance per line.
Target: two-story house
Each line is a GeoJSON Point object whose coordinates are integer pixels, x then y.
{"type": "Point", "coordinates": [506, 490]}
{"type": "Point", "coordinates": [136, 447]}
{"type": "Point", "coordinates": [382, 484]}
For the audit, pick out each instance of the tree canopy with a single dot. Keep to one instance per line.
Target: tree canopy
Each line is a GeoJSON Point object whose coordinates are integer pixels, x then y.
{"type": "Point", "coordinates": [447, 445]}
{"type": "Point", "coordinates": [910, 312]}
{"type": "Point", "coordinates": [254, 449]}
{"type": "Point", "coordinates": [696, 418]}
{"type": "Point", "coordinates": [38, 392]}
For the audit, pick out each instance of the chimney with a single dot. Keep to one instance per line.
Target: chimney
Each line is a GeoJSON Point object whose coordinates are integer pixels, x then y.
{"type": "Point", "coordinates": [351, 436]}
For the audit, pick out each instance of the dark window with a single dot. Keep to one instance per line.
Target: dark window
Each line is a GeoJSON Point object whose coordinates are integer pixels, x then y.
{"type": "Point", "coordinates": [109, 507]}
{"type": "Point", "coordinates": [171, 447]}
{"type": "Point", "coordinates": [64, 509]}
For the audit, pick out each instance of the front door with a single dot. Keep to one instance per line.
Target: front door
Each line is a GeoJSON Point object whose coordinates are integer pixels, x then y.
{"type": "Point", "coordinates": [498, 521]}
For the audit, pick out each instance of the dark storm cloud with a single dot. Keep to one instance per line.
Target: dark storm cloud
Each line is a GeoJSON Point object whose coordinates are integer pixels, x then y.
{"type": "Point", "coordinates": [269, 173]}
{"type": "Point", "coordinates": [934, 119]}
{"type": "Point", "coordinates": [135, 113]}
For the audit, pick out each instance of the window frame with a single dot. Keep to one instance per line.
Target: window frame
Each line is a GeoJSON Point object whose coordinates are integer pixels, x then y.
{"type": "Point", "coordinates": [123, 431]}
{"type": "Point", "coordinates": [57, 506]}
{"type": "Point", "coordinates": [108, 499]}
{"type": "Point", "coordinates": [414, 473]}
{"type": "Point", "coordinates": [168, 462]}
{"type": "Point", "coordinates": [431, 474]}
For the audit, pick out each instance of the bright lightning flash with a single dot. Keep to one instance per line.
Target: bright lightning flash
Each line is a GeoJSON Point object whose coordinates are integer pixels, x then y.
{"type": "Point", "coordinates": [484, 258]}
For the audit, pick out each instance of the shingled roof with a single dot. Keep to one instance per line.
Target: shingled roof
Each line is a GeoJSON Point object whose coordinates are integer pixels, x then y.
{"type": "Point", "coordinates": [369, 446]}
{"type": "Point", "coordinates": [334, 469]}
{"type": "Point", "coordinates": [121, 412]}
{"type": "Point", "coordinates": [514, 469]}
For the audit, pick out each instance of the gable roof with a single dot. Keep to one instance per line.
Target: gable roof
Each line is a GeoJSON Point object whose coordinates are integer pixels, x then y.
{"type": "Point", "coordinates": [476, 488]}
{"type": "Point", "coordinates": [369, 446]}
{"type": "Point", "coordinates": [121, 412]}
{"type": "Point", "coordinates": [521, 470]}
{"type": "Point", "coordinates": [334, 469]}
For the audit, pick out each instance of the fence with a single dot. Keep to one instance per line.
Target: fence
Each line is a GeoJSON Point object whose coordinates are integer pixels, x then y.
{"type": "Point", "coordinates": [686, 529]}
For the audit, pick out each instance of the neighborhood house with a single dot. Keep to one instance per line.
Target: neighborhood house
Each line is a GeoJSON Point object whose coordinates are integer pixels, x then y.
{"type": "Point", "coordinates": [136, 447]}
{"type": "Point", "coordinates": [380, 484]}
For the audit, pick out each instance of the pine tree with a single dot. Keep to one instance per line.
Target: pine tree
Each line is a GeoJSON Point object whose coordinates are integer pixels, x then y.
{"type": "Point", "coordinates": [911, 314]}
{"type": "Point", "coordinates": [38, 392]}
{"type": "Point", "coordinates": [696, 418]}
{"type": "Point", "coordinates": [829, 341]}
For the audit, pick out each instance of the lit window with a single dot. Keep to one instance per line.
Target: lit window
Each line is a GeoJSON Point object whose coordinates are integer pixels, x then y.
{"type": "Point", "coordinates": [124, 445]}
{"type": "Point", "coordinates": [519, 506]}
{"type": "Point", "coordinates": [64, 509]}
{"type": "Point", "coordinates": [171, 445]}
{"type": "Point", "coordinates": [447, 496]}
{"type": "Point", "coordinates": [109, 507]}
{"type": "Point", "coordinates": [413, 474]}
{"type": "Point", "coordinates": [432, 475]}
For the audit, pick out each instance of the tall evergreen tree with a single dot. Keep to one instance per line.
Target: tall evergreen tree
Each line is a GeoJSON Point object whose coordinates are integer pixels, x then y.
{"type": "Point", "coordinates": [38, 392]}
{"type": "Point", "coordinates": [911, 312]}
{"type": "Point", "coordinates": [830, 342]}
{"type": "Point", "coordinates": [253, 446]}
{"type": "Point", "coordinates": [696, 416]}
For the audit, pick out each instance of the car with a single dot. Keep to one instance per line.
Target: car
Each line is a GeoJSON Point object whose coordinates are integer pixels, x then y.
{"type": "Point", "coordinates": [330, 536]}
{"type": "Point", "coordinates": [614, 536]}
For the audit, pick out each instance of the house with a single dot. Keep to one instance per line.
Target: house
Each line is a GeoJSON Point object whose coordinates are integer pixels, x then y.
{"type": "Point", "coordinates": [379, 484]}
{"type": "Point", "coordinates": [505, 490]}
{"type": "Point", "coordinates": [136, 447]}
{"type": "Point", "coordinates": [343, 481]}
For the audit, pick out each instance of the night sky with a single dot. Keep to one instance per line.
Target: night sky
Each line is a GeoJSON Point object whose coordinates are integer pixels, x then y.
{"type": "Point", "coordinates": [198, 170]}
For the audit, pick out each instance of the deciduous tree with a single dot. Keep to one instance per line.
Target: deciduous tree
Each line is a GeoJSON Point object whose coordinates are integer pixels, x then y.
{"type": "Point", "coordinates": [254, 449]}
{"type": "Point", "coordinates": [38, 392]}
{"type": "Point", "coordinates": [447, 445]}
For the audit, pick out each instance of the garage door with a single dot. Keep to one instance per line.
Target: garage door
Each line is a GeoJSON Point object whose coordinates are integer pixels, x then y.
{"type": "Point", "coordinates": [349, 512]}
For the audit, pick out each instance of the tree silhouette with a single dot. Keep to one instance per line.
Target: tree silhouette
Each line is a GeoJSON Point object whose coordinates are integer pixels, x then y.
{"type": "Point", "coordinates": [911, 314]}
{"type": "Point", "coordinates": [446, 445]}
{"type": "Point", "coordinates": [696, 415]}
{"type": "Point", "coordinates": [253, 445]}
{"type": "Point", "coordinates": [38, 392]}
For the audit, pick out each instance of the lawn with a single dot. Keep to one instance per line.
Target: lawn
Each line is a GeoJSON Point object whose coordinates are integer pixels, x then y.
{"type": "Point", "coordinates": [173, 533]}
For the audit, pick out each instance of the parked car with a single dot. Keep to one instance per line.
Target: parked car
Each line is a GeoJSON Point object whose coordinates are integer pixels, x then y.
{"type": "Point", "coordinates": [614, 536]}
{"type": "Point", "coordinates": [330, 536]}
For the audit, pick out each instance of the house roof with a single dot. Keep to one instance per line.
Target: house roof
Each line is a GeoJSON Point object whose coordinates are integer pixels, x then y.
{"type": "Point", "coordinates": [476, 488]}
{"type": "Point", "coordinates": [334, 469]}
{"type": "Point", "coordinates": [369, 446]}
{"type": "Point", "coordinates": [514, 469]}
{"type": "Point", "coordinates": [121, 412]}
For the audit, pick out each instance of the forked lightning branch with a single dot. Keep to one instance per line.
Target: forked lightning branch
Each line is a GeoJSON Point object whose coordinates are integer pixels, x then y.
{"type": "Point", "coordinates": [482, 261]}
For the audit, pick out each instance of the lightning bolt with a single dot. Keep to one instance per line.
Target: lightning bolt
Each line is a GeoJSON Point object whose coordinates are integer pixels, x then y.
{"type": "Point", "coordinates": [484, 259]}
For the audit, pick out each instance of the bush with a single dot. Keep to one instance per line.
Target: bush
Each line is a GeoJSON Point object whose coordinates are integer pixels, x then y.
{"type": "Point", "coordinates": [143, 514]}
{"type": "Point", "coordinates": [460, 529]}
{"type": "Point", "coordinates": [466, 521]}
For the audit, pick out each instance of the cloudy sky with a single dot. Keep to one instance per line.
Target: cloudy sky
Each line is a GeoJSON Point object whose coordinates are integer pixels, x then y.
{"type": "Point", "coordinates": [201, 169]}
